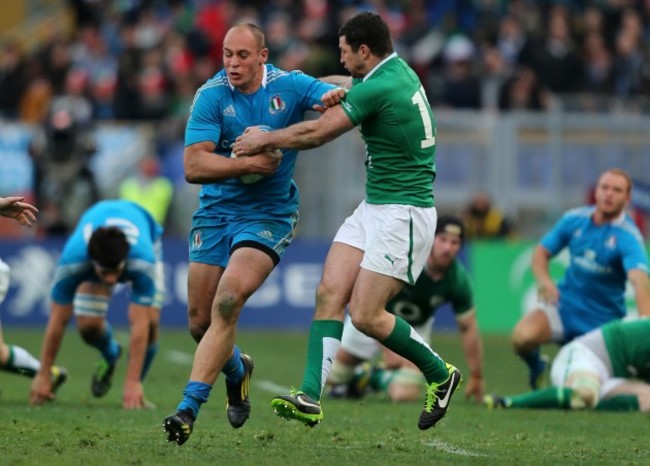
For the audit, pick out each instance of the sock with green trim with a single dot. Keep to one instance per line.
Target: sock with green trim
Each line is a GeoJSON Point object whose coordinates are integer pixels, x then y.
{"type": "Point", "coordinates": [20, 361]}
{"type": "Point", "coordinates": [324, 342]}
{"type": "Point", "coordinates": [545, 398]}
{"type": "Point", "coordinates": [619, 403]}
{"type": "Point", "coordinates": [406, 342]}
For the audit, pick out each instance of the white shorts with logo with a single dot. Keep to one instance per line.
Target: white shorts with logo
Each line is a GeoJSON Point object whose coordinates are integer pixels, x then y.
{"type": "Point", "coordinates": [396, 239]}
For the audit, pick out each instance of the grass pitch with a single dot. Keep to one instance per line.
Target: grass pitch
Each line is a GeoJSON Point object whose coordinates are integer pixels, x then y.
{"type": "Point", "coordinates": [78, 429]}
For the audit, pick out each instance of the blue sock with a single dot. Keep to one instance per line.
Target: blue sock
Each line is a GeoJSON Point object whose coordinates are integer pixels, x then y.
{"type": "Point", "coordinates": [152, 349]}
{"type": "Point", "coordinates": [234, 369]}
{"type": "Point", "coordinates": [194, 395]}
{"type": "Point", "coordinates": [106, 345]}
{"type": "Point", "coordinates": [533, 360]}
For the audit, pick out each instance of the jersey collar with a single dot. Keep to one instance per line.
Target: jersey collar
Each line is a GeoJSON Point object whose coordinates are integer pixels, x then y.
{"type": "Point", "coordinates": [232, 88]}
{"type": "Point", "coordinates": [378, 65]}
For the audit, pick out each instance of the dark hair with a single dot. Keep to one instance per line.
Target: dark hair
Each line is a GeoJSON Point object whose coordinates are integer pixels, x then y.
{"type": "Point", "coordinates": [108, 246]}
{"type": "Point", "coordinates": [369, 29]}
{"type": "Point", "coordinates": [451, 225]}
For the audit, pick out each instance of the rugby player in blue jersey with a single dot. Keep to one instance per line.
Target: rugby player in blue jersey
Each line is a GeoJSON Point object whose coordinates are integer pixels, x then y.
{"type": "Point", "coordinates": [242, 226]}
{"type": "Point", "coordinates": [606, 250]}
{"type": "Point", "coordinates": [114, 242]}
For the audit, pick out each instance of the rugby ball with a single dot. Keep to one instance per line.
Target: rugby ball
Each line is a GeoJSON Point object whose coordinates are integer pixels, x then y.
{"type": "Point", "coordinates": [254, 177]}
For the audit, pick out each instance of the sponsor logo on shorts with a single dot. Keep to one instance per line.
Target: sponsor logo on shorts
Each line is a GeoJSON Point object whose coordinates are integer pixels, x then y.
{"type": "Point", "coordinates": [266, 234]}
{"type": "Point", "coordinates": [197, 242]}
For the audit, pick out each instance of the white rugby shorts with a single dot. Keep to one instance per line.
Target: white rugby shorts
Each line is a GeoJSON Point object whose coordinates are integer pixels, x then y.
{"type": "Point", "coordinates": [396, 239]}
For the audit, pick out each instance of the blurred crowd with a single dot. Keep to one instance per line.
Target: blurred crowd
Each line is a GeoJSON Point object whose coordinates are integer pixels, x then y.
{"type": "Point", "coordinates": [144, 59]}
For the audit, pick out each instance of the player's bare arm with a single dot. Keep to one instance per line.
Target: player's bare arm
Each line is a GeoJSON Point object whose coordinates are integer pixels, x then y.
{"type": "Point", "coordinates": [139, 322]}
{"type": "Point", "coordinates": [546, 288]}
{"type": "Point", "coordinates": [203, 166]}
{"type": "Point", "coordinates": [41, 390]}
{"type": "Point", "coordinates": [338, 80]}
{"type": "Point", "coordinates": [304, 135]}
{"type": "Point", "coordinates": [641, 285]}
{"type": "Point", "coordinates": [14, 207]}
{"type": "Point", "coordinates": [473, 348]}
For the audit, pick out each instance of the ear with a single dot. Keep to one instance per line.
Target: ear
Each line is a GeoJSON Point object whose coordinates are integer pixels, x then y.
{"type": "Point", "coordinates": [264, 55]}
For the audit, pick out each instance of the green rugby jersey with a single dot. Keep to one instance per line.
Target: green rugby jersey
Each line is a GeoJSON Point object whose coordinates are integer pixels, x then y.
{"type": "Point", "coordinates": [628, 345]}
{"type": "Point", "coordinates": [417, 303]}
{"type": "Point", "coordinates": [398, 128]}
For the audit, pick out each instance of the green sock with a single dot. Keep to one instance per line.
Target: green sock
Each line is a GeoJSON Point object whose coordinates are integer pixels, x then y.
{"type": "Point", "coordinates": [324, 342]}
{"type": "Point", "coordinates": [545, 398]}
{"type": "Point", "coordinates": [380, 379]}
{"type": "Point", "coordinates": [619, 403]}
{"type": "Point", "coordinates": [21, 362]}
{"type": "Point", "coordinates": [404, 341]}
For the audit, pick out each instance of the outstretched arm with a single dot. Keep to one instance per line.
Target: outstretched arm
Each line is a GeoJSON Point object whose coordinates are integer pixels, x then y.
{"type": "Point", "coordinates": [338, 80]}
{"type": "Point", "coordinates": [14, 207]}
{"type": "Point", "coordinates": [546, 288]}
{"type": "Point", "coordinates": [139, 320]}
{"type": "Point", "coordinates": [305, 135]}
{"type": "Point", "coordinates": [473, 348]}
{"type": "Point", "coordinates": [640, 283]}
{"type": "Point", "coordinates": [41, 390]}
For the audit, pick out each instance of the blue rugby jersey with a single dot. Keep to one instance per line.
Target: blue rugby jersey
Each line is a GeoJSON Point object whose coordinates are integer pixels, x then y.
{"type": "Point", "coordinates": [142, 231]}
{"type": "Point", "coordinates": [593, 287]}
{"type": "Point", "coordinates": [220, 113]}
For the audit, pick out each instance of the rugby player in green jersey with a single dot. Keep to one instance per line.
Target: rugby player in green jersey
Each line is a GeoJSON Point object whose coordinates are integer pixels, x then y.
{"type": "Point", "coordinates": [444, 280]}
{"type": "Point", "coordinates": [605, 369]}
{"type": "Point", "coordinates": [384, 244]}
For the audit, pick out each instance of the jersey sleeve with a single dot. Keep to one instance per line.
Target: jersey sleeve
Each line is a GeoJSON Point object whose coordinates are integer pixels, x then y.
{"type": "Point", "coordinates": [310, 88]}
{"type": "Point", "coordinates": [462, 299]}
{"type": "Point", "coordinates": [205, 121]}
{"type": "Point", "coordinates": [558, 237]}
{"type": "Point", "coordinates": [633, 253]}
{"type": "Point", "coordinates": [362, 100]}
{"type": "Point", "coordinates": [65, 285]}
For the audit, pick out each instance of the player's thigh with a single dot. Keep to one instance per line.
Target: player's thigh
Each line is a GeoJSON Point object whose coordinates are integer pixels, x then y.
{"type": "Point", "coordinates": [339, 274]}
{"type": "Point", "coordinates": [370, 294]}
{"type": "Point", "coordinates": [532, 328]}
{"type": "Point", "coordinates": [90, 306]}
{"type": "Point", "coordinates": [202, 282]}
{"type": "Point", "coordinates": [247, 269]}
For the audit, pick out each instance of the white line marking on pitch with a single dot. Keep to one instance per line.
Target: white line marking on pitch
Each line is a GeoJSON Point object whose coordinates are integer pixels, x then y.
{"type": "Point", "coordinates": [179, 357]}
{"type": "Point", "coordinates": [445, 447]}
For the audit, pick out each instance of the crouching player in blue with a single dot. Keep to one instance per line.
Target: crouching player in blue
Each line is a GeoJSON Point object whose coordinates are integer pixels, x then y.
{"type": "Point", "coordinates": [114, 241]}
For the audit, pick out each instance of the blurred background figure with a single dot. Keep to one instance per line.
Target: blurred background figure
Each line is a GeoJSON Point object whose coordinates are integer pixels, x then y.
{"type": "Point", "coordinates": [149, 188]}
{"type": "Point", "coordinates": [485, 221]}
{"type": "Point", "coordinates": [64, 184]}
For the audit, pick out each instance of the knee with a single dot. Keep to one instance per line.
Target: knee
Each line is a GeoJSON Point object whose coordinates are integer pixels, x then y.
{"type": "Point", "coordinates": [585, 391]}
{"type": "Point", "coordinates": [330, 304]}
{"type": "Point", "coordinates": [362, 323]}
{"type": "Point", "coordinates": [198, 324]}
{"type": "Point", "coordinates": [228, 304]}
{"type": "Point", "coordinates": [90, 333]}
{"type": "Point", "coordinates": [584, 397]}
{"type": "Point", "coordinates": [524, 338]}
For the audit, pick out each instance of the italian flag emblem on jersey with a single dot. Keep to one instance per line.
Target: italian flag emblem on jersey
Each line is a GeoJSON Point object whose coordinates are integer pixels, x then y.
{"type": "Point", "coordinates": [276, 104]}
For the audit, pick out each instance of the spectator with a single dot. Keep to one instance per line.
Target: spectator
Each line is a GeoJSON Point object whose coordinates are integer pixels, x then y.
{"type": "Point", "coordinates": [483, 220]}
{"type": "Point", "coordinates": [149, 188]}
